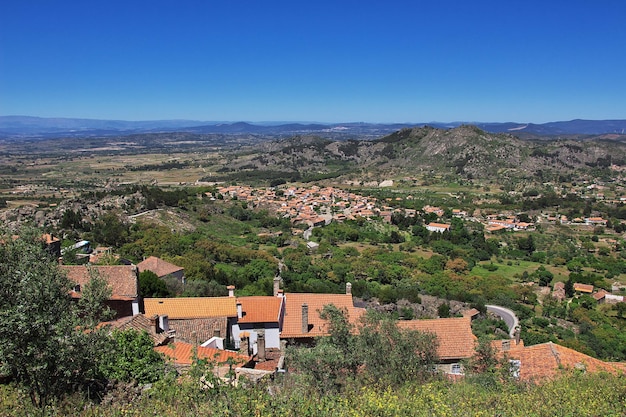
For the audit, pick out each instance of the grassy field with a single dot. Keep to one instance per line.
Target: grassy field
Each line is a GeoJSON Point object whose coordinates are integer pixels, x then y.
{"type": "Point", "coordinates": [516, 269]}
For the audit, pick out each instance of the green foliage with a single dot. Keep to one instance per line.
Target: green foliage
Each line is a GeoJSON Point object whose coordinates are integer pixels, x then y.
{"type": "Point", "coordinates": [131, 357]}
{"type": "Point", "coordinates": [380, 353]}
{"type": "Point", "coordinates": [392, 356]}
{"type": "Point", "coordinates": [42, 346]}
{"type": "Point", "coordinates": [150, 285]}
{"type": "Point", "coordinates": [443, 311]}
{"type": "Point", "coordinates": [334, 359]}
{"type": "Point", "coordinates": [156, 197]}
{"type": "Point", "coordinates": [110, 230]}
{"type": "Point", "coordinates": [94, 294]}
{"type": "Point", "coordinates": [572, 394]}
{"type": "Point", "coordinates": [72, 220]}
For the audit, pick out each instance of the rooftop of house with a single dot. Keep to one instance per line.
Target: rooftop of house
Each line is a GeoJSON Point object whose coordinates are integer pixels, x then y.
{"type": "Point", "coordinates": [455, 339]}
{"type": "Point", "coordinates": [439, 225]}
{"type": "Point", "coordinates": [600, 295]}
{"type": "Point", "coordinates": [292, 324]}
{"type": "Point", "coordinates": [472, 312]}
{"type": "Point", "coordinates": [587, 288]}
{"type": "Point", "coordinates": [140, 323]}
{"type": "Point", "coordinates": [49, 238]}
{"type": "Point", "coordinates": [260, 309]}
{"type": "Point", "coordinates": [182, 353]}
{"type": "Point", "coordinates": [191, 307]}
{"type": "Point", "coordinates": [157, 265]}
{"type": "Point", "coordinates": [121, 278]}
{"type": "Point", "coordinates": [549, 360]}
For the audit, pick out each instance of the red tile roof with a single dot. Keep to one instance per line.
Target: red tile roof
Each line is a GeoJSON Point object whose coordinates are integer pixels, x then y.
{"type": "Point", "coordinates": [48, 238]}
{"type": "Point", "coordinates": [191, 307]}
{"type": "Point", "coordinates": [600, 295]}
{"type": "Point", "coordinates": [160, 267]}
{"type": "Point", "coordinates": [260, 309]}
{"type": "Point", "coordinates": [454, 335]}
{"type": "Point", "coordinates": [199, 330]}
{"type": "Point", "coordinates": [292, 324]}
{"type": "Point", "coordinates": [182, 354]}
{"type": "Point", "coordinates": [549, 360]}
{"type": "Point", "coordinates": [121, 278]}
{"type": "Point", "coordinates": [583, 287]}
{"type": "Point", "coordinates": [140, 323]}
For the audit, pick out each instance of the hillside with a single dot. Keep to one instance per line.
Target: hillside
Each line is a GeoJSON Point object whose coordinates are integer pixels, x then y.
{"type": "Point", "coordinates": [466, 150]}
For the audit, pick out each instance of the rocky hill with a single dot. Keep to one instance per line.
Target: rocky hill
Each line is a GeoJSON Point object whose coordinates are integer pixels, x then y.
{"type": "Point", "coordinates": [466, 150]}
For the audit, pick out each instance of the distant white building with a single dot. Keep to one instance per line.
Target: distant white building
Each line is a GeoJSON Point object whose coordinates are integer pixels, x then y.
{"type": "Point", "coordinates": [438, 227]}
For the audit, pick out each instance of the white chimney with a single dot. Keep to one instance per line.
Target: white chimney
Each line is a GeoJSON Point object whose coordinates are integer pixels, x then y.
{"type": "Point", "coordinates": [231, 290]}
{"type": "Point", "coordinates": [348, 288]}
{"type": "Point", "coordinates": [239, 311]}
{"type": "Point", "coordinates": [164, 323]}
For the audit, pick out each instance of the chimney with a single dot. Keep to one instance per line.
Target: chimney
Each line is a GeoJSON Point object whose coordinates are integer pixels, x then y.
{"type": "Point", "coordinates": [164, 323]}
{"type": "Point", "coordinates": [239, 311]}
{"type": "Point", "coordinates": [154, 327]}
{"type": "Point", "coordinates": [506, 345]}
{"type": "Point", "coordinates": [276, 285]}
{"type": "Point", "coordinates": [348, 288]}
{"type": "Point", "coordinates": [216, 332]}
{"type": "Point", "coordinates": [231, 290]}
{"type": "Point", "coordinates": [305, 318]}
{"type": "Point", "coordinates": [261, 347]}
{"type": "Point", "coordinates": [244, 346]}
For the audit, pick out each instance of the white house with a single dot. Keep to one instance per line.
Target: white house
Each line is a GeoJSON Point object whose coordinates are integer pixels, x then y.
{"type": "Point", "coordinates": [438, 227]}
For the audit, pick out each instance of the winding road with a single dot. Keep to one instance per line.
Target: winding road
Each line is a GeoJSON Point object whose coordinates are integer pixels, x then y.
{"type": "Point", "coordinates": [507, 315]}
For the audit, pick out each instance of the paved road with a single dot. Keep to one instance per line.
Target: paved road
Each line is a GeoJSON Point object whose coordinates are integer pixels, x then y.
{"type": "Point", "coordinates": [507, 315]}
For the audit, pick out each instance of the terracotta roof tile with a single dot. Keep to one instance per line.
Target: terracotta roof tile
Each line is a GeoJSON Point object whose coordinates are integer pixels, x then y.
{"type": "Point", "coordinates": [137, 322]}
{"type": "Point", "coordinates": [583, 287]}
{"type": "Point", "coordinates": [292, 325]}
{"type": "Point", "coordinates": [454, 335]}
{"type": "Point", "coordinates": [182, 354]}
{"type": "Point", "coordinates": [260, 309]}
{"type": "Point", "coordinates": [600, 295]}
{"type": "Point", "coordinates": [549, 360]}
{"type": "Point", "coordinates": [122, 278]}
{"type": "Point", "coordinates": [160, 267]}
{"type": "Point", "coordinates": [191, 307]}
{"type": "Point", "coordinates": [198, 330]}
{"type": "Point", "coordinates": [439, 225]}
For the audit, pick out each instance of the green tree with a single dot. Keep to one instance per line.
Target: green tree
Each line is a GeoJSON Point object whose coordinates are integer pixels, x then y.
{"type": "Point", "coordinates": [333, 360]}
{"type": "Point", "coordinates": [393, 356]}
{"type": "Point", "coordinates": [378, 353]}
{"type": "Point", "coordinates": [110, 230]}
{"type": "Point", "coordinates": [94, 294]}
{"type": "Point", "coordinates": [443, 310]}
{"type": "Point", "coordinates": [131, 357]}
{"type": "Point", "coordinates": [150, 285]}
{"type": "Point", "coordinates": [42, 346]}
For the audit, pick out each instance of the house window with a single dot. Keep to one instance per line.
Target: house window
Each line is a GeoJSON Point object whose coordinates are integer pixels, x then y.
{"type": "Point", "coordinates": [456, 369]}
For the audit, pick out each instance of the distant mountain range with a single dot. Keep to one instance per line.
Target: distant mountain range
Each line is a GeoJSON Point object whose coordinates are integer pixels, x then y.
{"type": "Point", "coordinates": [33, 127]}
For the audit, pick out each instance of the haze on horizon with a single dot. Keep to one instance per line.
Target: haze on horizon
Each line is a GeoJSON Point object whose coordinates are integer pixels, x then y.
{"type": "Point", "coordinates": [324, 61]}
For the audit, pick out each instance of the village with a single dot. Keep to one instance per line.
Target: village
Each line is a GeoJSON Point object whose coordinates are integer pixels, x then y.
{"type": "Point", "coordinates": [316, 206]}
{"type": "Point", "coordinates": [247, 335]}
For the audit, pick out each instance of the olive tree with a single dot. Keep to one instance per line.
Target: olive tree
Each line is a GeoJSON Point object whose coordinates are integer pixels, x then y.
{"type": "Point", "coordinates": [42, 344]}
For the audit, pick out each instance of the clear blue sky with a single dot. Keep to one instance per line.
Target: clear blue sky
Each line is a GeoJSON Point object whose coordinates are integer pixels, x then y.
{"type": "Point", "coordinates": [328, 61]}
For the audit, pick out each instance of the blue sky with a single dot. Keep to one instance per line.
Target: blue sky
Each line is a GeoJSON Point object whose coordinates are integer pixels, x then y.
{"type": "Point", "coordinates": [327, 61]}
